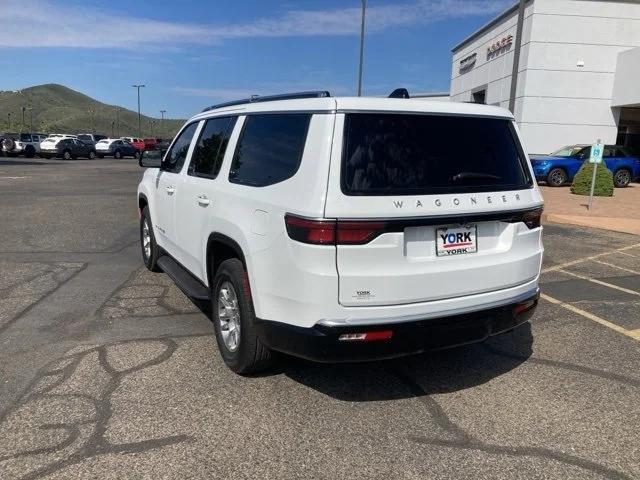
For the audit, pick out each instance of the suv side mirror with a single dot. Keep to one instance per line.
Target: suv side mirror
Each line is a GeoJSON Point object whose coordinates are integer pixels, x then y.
{"type": "Point", "coordinates": [151, 158]}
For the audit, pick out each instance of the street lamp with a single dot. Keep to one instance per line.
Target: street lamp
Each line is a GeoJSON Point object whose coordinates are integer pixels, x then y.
{"type": "Point", "coordinates": [139, 126]}
{"type": "Point", "coordinates": [9, 120]}
{"type": "Point", "coordinates": [364, 8]}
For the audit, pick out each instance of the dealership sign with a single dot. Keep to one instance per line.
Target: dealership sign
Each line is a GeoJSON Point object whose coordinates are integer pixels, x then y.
{"type": "Point", "coordinates": [468, 62]}
{"type": "Point", "coordinates": [500, 46]}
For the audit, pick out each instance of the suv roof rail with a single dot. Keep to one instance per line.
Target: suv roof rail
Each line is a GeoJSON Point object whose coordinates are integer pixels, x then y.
{"type": "Point", "coordinates": [272, 98]}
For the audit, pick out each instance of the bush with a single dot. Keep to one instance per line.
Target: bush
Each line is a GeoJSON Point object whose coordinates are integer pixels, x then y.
{"type": "Point", "coordinates": [582, 181]}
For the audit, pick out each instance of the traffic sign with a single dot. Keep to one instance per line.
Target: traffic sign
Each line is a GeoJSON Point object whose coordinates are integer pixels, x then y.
{"type": "Point", "coordinates": [596, 153]}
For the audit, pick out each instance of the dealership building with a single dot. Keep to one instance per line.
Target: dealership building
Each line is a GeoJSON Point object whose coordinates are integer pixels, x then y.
{"type": "Point", "coordinates": [578, 72]}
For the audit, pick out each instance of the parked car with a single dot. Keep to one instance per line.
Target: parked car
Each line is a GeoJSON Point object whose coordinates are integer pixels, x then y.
{"type": "Point", "coordinates": [561, 166]}
{"type": "Point", "coordinates": [67, 148]}
{"type": "Point", "coordinates": [116, 148]}
{"type": "Point", "coordinates": [138, 143]}
{"type": "Point", "coordinates": [27, 144]}
{"type": "Point", "coordinates": [90, 138]}
{"type": "Point", "coordinates": [344, 229]}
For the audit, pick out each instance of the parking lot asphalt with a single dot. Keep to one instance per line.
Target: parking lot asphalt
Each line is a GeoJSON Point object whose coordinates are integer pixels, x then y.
{"type": "Point", "coordinates": [109, 371]}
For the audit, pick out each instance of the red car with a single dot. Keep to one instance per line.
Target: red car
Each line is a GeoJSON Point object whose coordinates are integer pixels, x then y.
{"type": "Point", "coordinates": [137, 143]}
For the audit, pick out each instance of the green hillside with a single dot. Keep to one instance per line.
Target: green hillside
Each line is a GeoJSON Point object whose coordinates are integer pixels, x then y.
{"type": "Point", "coordinates": [58, 109]}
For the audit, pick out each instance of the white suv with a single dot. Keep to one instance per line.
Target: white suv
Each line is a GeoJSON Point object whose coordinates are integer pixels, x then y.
{"type": "Point", "coordinates": [345, 229]}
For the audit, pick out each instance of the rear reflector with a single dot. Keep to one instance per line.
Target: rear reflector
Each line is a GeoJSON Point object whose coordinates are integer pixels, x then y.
{"type": "Point", "coordinates": [366, 336]}
{"type": "Point", "coordinates": [524, 306]}
{"type": "Point", "coordinates": [358, 232]}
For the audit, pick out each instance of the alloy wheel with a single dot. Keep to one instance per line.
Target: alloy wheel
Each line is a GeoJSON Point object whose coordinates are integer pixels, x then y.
{"type": "Point", "coordinates": [229, 316]}
{"type": "Point", "coordinates": [146, 239]}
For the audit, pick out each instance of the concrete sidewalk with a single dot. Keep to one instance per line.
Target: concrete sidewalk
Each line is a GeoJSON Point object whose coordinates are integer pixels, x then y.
{"type": "Point", "coordinates": [620, 213]}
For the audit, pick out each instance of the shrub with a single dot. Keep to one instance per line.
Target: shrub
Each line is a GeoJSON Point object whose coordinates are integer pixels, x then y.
{"type": "Point", "coordinates": [582, 181]}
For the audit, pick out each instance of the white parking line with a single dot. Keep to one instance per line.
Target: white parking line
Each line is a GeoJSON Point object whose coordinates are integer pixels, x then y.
{"type": "Point", "coordinates": [616, 266]}
{"type": "Point", "coordinates": [635, 334]}
{"type": "Point", "coordinates": [592, 257]}
{"type": "Point", "coordinates": [600, 282]}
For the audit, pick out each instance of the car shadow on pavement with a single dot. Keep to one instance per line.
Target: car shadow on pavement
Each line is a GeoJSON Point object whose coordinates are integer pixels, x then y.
{"type": "Point", "coordinates": [443, 371]}
{"type": "Point", "coordinates": [6, 162]}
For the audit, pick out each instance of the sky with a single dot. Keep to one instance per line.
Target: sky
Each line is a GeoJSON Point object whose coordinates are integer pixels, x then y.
{"type": "Point", "coordinates": [194, 53]}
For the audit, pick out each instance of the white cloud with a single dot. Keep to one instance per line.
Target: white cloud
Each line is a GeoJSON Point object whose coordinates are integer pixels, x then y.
{"type": "Point", "coordinates": [48, 23]}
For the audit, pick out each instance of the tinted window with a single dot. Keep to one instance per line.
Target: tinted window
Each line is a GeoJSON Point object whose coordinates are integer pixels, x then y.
{"type": "Point", "coordinates": [84, 137]}
{"type": "Point", "coordinates": [394, 154]}
{"type": "Point", "coordinates": [269, 149]}
{"type": "Point", "coordinates": [174, 159]}
{"type": "Point", "coordinates": [609, 151]}
{"type": "Point", "coordinates": [25, 137]}
{"type": "Point", "coordinates": [209, 152]}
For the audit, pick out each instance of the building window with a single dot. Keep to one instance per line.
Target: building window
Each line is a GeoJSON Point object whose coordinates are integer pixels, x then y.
{"type": "Point", "coordinates": [480, 97]}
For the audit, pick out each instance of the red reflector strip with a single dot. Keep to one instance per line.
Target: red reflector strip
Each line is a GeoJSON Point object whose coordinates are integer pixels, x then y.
{"type": "Point", "coordinates": [523, 307]}
{"type": "Point", "coordinates": [366, 336]}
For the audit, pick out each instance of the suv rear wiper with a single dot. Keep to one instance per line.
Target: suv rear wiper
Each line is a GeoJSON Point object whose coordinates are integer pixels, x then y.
{"type": "Point", "coordinates": [473, 176]}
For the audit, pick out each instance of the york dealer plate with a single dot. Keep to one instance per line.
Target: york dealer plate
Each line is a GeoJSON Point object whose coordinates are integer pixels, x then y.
{"type": "Point", "coordinates": [456, 240]}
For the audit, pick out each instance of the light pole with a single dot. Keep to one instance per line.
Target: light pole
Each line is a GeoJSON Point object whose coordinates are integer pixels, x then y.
{"type": "Point", "coordinates": [30, 119]}
{"type": "Point", "coordinates": [162, 112]}
{"type": "Point", "coordinates": [92, 117]}
{"type": "Point", "coordinates": [364, 8]}
{"type": "Point", "coordinates": [113, 122]}
{"type": "Point", "coordinates": [118, 121]}
{"type": "Point", "coordinates": [139, 126]}
{"type": "Point", "coordinates": [22, 125]}
{"type": "Point", "coordinates": [9, 120]}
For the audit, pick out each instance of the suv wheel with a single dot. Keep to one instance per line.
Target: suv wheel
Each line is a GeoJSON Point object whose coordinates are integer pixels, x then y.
{"type": "Point", "coordinates": [622, 178]}
{"type": "Point", "coordinates": [557, 177]}
{"type": "Point", "coordinates": [66, 155]}
{"type": "Point", "coordinates": [234, 320]}
{"type": "Point", "coordinates": [136, 154]}
{"type": "Point", "coordinates": [29, 152]}
{"type": "Point", "coordinates": [148, 243]}
{"type": "Point", "coordinates": [92, 154]}
{"type": "Point", "coordinates": [117, 155]}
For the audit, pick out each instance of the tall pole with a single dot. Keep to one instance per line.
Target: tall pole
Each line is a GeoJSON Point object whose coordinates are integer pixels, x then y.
{"type": "Point", "coordinates": [118, 121]}
{"type": "Point", "coordinates": [162, 112]}
{"type": "Point", "coordinates": [516, 57]}
{"type": "Point", "coordinates": [364, 8]}
{"type": "Point", "coordinates": [113, 122]}
{"type": "Point", "coordinates": [22, 126]}
{"type": "Point", "coordinates": [31, 119]}
{"type": "Point", "coordinates": [139, 124]}
{"type": "Point", "coordinates": [9, 120]}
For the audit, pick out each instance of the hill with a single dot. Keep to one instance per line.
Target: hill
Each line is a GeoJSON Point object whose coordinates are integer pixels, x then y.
{"type": "Point", "coordinates": [55, 108]}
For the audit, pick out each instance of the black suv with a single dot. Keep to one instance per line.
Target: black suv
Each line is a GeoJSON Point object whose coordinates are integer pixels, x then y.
{"type": "Point", "coordinates": [66, 148]}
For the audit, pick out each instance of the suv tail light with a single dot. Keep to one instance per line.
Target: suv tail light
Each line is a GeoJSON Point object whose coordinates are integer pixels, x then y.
{"type": "Point", "coordinates": [332, 232]}
{"type": "Point", "coordinates": [306, 230]}
{"type": "Point", "coordinates": [532, 218]}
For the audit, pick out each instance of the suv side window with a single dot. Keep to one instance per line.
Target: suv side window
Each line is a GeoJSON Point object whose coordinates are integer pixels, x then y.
{"type": "Point", "coordinates": [609, 151]}
{"type": "Point", "coordinates": [269, 149]}
{"type": "Point", "coordinates": [209, 152]}
{"type": "Point", "coordinates": [175, 157]}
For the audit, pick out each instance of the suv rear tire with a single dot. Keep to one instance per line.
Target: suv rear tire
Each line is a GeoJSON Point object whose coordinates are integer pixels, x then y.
{"type": "Point", "coordinates": [557, 177]}
{"type": "Point", "coordinates": [148, 245]}
{"type": "Point", "coordinates": [29, 152]}
{"type": "Point", "coordinates": [117, 155]}
{"type": "Point", "coordinates": [67, 155]}
{"type": "Point", "coordinates": [234, 320]}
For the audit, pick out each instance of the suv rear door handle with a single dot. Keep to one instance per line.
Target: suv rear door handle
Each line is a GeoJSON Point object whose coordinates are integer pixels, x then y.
{"type": "Point", "coordinates": [203, 200]}
{"type": "Point", "coordinates": [170, 190]}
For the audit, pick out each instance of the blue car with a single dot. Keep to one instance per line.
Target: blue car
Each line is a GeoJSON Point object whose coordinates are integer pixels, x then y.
{"type": "Point", "coordinates": [561, 166]}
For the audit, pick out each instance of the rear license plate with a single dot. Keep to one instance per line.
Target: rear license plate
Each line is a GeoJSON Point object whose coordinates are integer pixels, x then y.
{"type": "Point", "coordinates": [456, 240]}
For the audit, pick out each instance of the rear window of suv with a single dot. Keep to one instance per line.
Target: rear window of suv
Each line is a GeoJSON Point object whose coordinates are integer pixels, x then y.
{"type": "Point", "coordinates": [415, 154]}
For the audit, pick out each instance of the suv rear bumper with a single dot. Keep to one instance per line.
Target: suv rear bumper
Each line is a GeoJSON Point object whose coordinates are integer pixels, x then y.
{"type": "Point", "coordinates": [321, 343]}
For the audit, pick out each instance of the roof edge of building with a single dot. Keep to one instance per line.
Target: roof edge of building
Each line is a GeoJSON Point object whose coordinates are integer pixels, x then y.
{"type": "Point", "coordinates": [487, 26]}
